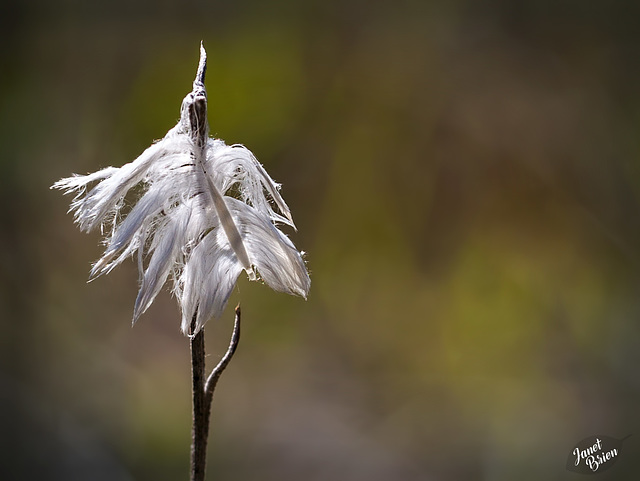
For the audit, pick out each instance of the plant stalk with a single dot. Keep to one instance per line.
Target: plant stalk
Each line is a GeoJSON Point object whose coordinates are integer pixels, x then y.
{"type": "Point", "coordinates": [203, 394]}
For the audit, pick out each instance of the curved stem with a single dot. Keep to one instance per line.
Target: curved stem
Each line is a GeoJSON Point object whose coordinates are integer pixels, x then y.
{"type": "Point", "coordinates": [203, 394]}
{"type": "Point", "coordinates": [215, 374]}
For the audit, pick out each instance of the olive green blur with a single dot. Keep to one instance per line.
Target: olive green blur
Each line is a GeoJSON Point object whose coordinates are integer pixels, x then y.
{"type": "Point", "coordinates": [465, 179]}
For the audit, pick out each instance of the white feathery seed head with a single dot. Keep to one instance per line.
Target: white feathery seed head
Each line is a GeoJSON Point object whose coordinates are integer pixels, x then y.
{"type": "Point", "coordinates": [206, 212]}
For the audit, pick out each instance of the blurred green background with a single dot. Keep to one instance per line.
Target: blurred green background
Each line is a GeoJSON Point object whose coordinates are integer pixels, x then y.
{"type": "Point", "coordinates": [465, 177]}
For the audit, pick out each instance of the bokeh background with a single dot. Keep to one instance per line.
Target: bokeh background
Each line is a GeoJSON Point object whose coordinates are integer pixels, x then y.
{"type": "Point", "coordinates": [465, 177]}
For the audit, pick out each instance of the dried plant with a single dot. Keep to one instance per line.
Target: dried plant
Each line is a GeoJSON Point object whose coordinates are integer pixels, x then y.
{"type": "Point", "coordinates": [205, 212]}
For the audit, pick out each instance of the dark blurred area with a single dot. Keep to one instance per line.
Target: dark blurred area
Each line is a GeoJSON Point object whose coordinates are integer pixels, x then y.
{"type": "Point", "coordinates": [465, 177]}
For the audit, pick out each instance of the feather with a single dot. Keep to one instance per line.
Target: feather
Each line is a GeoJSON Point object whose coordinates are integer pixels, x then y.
{"type": "Point", "coordinates": [205, 212]}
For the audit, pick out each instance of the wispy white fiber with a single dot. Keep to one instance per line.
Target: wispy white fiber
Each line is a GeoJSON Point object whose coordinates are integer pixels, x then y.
{"type": "Point", "coordinates": [205, 212]}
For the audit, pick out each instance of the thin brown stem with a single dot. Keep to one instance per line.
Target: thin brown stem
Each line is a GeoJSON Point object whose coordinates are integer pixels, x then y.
{"type": "Point", "coordinates": [215, 374]}
{"type": "Point", "coordinates": [203, 394]}
{"type": "Point", "coordinates": [200, 427]}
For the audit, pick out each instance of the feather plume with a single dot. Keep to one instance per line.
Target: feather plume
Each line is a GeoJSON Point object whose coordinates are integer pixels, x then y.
{"type": "Point", "coordinates": [206, 212]}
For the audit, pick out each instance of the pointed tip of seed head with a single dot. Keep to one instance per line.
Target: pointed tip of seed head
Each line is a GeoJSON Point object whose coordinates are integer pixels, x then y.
{"type": "Point", "coordinates": [203, 52]}
{"type": "Point", "coordinates": [202, 67]}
